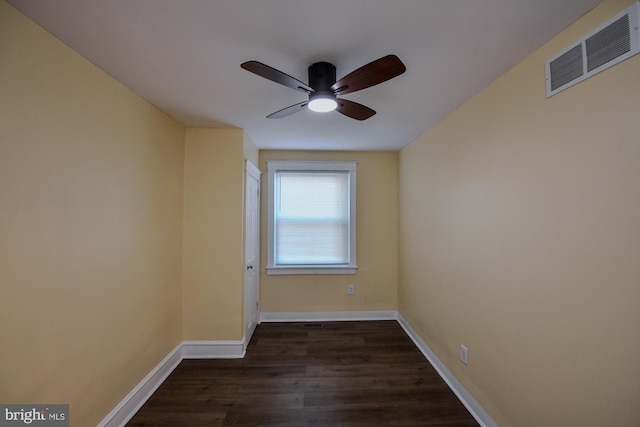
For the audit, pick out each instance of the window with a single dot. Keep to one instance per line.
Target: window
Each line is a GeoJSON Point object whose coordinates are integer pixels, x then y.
{"type": "Point", "coordinates": [311, 217]}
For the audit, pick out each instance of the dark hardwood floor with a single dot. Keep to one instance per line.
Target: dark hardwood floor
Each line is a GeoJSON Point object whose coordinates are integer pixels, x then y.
{"type": "Point", "coordinates": [294, 374]}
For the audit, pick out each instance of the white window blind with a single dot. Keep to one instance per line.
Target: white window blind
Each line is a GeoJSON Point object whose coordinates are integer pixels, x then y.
{"type": "Point", "coordinates": [311, 218]}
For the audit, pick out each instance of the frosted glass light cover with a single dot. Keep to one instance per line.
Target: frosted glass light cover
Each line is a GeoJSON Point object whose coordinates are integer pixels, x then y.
{"type": "Point", "coordinates": [322, 105]}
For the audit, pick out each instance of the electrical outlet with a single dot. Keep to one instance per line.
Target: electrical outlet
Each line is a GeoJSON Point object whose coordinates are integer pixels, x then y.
{"type": "Point", "coordinates": [464, 354]}
{"type": "Point", "coordinates": [351, 289]}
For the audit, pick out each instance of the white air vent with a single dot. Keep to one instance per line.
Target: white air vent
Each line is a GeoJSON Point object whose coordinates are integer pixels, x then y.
{"type": "Point", "coordinates": [612, 42]}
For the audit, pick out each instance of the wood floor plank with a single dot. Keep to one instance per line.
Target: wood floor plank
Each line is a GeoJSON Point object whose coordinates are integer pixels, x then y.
{"type": "Point", "coordinates": [294, 374]}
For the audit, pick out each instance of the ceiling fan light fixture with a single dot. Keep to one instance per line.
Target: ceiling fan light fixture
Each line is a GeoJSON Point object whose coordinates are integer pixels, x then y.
{"type": "Point", "coordinates": [322, 102]}
{"type": "Point", "coordinates": [323, 87]}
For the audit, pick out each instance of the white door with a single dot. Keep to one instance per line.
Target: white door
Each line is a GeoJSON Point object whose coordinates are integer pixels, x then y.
{"type": "Point", "coordinates": [252, 250]}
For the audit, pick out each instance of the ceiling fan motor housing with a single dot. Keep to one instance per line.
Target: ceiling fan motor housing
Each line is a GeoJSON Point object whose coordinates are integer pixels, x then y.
{"type": "Point", "coordinates": [321, 76]}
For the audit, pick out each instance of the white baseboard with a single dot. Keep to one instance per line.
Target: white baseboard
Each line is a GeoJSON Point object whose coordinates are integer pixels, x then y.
{"type": "Point", "coordinates": [465, 397]}
{"type": "Point", "coordinates": [327, 316]}
{"type": "Point", "coordinates": [213, 349]}
{"type": "Point", "coordinates": [127, 408]}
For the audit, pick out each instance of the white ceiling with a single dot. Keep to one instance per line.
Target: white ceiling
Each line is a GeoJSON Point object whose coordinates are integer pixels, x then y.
{"type": "Point", "coordinates": [184, 56]}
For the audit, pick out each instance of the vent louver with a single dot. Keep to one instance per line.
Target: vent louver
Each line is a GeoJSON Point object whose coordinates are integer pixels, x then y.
{"type": "Point", "coordinates": [608, 44]}
{"type": "Point", "coordinates": [567, 67]}
{"type": "Point", "coordinates": [613, 42]}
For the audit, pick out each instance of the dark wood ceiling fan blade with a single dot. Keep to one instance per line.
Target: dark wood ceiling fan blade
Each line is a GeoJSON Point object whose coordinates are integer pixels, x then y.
{"type": "Point", "coordinates": [354, 110]}
{"type": "Point", "coordinates": [288, 111]}
{"type": "Point", "coordinates": [277, 76]}
{"type": "Point", "coordinates": [373, 73]}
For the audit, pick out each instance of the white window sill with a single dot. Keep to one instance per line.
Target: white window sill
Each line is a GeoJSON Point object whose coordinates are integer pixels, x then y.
{"type": "Point", "coordinates": [307, 269]}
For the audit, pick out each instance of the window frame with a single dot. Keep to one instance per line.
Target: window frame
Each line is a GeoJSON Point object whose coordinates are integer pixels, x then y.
{"type": "Point", "coordinates": [274, 166]}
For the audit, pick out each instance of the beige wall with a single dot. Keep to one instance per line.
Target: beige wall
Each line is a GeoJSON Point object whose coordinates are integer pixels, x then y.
{"type": "Point", "coordinates": [377, 243]}
{"type": "Point", "coordinates": [519, 237]}
{"type": "Point", "coordinates": [213, 279]}
{"type": "Point", "coordinates": [90, 228]}
{"type": "Point", "coordinates": [250, 150]}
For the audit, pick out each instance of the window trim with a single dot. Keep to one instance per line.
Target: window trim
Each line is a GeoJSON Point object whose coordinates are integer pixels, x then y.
{"type": "Point", "coordinates": [274, 166]}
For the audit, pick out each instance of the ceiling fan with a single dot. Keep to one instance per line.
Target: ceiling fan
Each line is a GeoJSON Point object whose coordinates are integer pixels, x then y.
{"type": "Point", "coordinates": [323, 89]}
